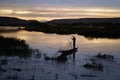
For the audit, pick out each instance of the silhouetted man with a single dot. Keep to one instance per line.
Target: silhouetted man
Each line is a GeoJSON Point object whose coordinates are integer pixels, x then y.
{"type": "Point", "coordinates": [74, 41]}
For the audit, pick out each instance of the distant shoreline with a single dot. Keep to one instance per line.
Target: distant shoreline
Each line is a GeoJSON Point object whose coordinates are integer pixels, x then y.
{"type": "Point", "coordinates": [88, 27]}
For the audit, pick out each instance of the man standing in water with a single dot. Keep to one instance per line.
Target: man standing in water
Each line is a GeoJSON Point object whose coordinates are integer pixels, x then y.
{"type": "Point", "coordinates": [74, 42]}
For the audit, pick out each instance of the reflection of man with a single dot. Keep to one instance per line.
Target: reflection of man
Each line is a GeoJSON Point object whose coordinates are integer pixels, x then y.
{"type": "Point", "coordinates": [74, 41]}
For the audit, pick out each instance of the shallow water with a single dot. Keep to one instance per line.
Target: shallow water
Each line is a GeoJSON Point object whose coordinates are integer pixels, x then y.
{"type": "Point", "coordinates": [49, 44]}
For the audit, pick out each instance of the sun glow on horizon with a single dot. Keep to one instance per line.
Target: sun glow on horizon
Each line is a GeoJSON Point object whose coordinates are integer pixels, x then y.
{"type": "Point", "coordinates": [22, 12]}
{"type": "Point", "coordinates": [60, 13]}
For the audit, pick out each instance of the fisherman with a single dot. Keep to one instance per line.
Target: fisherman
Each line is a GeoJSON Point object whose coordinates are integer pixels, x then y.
{"type": "Point", "coordinates": [74, 41]}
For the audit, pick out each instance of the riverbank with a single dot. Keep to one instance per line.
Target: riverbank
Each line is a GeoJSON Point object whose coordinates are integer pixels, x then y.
{"type": "Point", "coordinates": [87, 31]}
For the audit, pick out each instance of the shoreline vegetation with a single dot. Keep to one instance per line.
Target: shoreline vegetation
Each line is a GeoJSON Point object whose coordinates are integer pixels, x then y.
{"type": "Point", "coordinates": [88, 27]}
{"type": "Point", "coordinates": [93, 32]}
{"type": "Point", "coordinates": [14, 47]}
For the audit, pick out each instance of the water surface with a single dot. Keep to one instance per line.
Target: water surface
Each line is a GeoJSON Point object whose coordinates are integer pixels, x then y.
{"type": "Point", "coordinates": [49, 44]}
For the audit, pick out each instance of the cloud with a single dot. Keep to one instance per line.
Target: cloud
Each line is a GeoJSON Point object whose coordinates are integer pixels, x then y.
{"type": "Point", "coordinates": [6, 11]}
{"type": "Point", "coordinates": [22, 12]}
{"type": "Point", "coordinates": [49, 13]}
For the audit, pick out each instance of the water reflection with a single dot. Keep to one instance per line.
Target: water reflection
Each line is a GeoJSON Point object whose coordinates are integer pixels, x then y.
{"type": "Point", "coordinates": [50, 43]}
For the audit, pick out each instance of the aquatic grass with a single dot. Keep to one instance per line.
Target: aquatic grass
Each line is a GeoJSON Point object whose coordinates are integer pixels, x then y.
{"type": "Point", "coordinates": [14, 47]}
